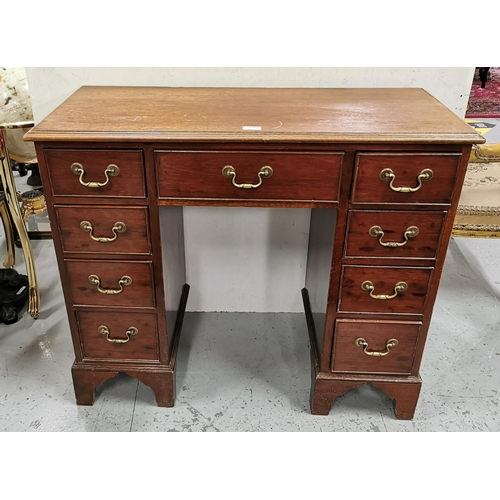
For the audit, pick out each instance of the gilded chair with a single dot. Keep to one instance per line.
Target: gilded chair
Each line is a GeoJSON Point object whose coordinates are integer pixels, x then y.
{"type": "Point", "coordinates": [12, 214]}
{"type": "Point", "coordinates": [478, 214]}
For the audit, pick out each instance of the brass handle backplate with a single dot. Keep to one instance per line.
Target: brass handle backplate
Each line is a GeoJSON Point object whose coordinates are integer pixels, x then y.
{"type": "Point", "coordinates": [377, 232]}
{"type": "Point", "coordinates": [119, 227]}
{"type": "Point", "coordinates": [264, 173]}
{"type": "Point", "coordinates": [389, 176]}
{"type": "Point", "coordinates": [361, 342]}
{"type": "Point", "coordinates": [400, 286]}
{"type": "Point", "coordinates": [104, 330]}
{"type": "Point", "coordinates": [124, 281]}
{"type": "Point", "coordinates": [111, 171]}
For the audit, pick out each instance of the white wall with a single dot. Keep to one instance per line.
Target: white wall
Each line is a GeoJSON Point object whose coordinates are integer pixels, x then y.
{"type": "Point", "coordinates": [247, 259]}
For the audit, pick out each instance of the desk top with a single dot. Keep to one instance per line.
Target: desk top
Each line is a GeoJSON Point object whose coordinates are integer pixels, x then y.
{"type": "Point", "coordinates": [253, 115]}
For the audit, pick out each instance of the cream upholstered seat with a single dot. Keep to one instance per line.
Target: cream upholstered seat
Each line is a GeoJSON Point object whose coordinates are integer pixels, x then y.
{"type": "Point", "coordinates": [478, 213]}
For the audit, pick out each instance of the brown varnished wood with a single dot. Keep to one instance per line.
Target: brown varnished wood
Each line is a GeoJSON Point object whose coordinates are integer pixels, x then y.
{"type": "Point", "coordinates": [57, 239]}
{"type": "Point", "coordinates": [405, 397]}
{"type": "Point", "coordinates": [219, 114]}
{"type": "Point", "coordinates": [85, 382]}
{"type": "Point", "coordinates": [256, 146]}
{"type": "Point", "coordinates": [349, 358]}
{"type": "Point", "coordinates": [185, 175]}
{"type": "Point", "coordinates": [261, 203]}
{"type": "Point", "coordinates": [336, 262]}
{"type": "Point", "coordinates": [411, 301]}
{"type": "Point", "coordinates": [139, 293]}
{"type": "Point", "coordinates": [314, 136]}
{"type": "Point", "coordinates": [162, 382]}
{"type": "Point", "coordinates": [134, 240]}
{"type": "Point", "coordinates": [360, 244]}
{"type": "Point", "coordinates": [141, 346]}
{"type": "Point", "coordinates": [434, 284]}
{"type": "Point", "coordinates": [128, 183]}
{"type": "Point", "coordinates": [325, 392]}
{"type": "Point", "coordinates": [87, 377]}
{"type": "Point", "coordinates": [319, 264]}
{"type": "Point", "coordinates": [158, 246]}
{"type": "Point", "coordinates": [173, 258]}
{"type": "Point", "coordinates": [403, 391]}
{"type": "Point", "coordinates": [369, 188]}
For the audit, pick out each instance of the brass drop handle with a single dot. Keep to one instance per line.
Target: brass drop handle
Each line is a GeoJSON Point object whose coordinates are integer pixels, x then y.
{"type": "Point", "coordinates": [388, 175]}
{"type": "Point", "coordinates": [400, 286]}
{"type": "Point", "coordinates": [124, 281]}
{"type": "Point", "coordinates": [377, 232]}
{"type": "Point", "coordinates": [119, 227]}
{"type": "Point", "coordinates": [391, 343]}
{"type": "Point", "coordinates": [104, 330]}
{"type": "Point", "coordinates": [264, 173]}
{"type": "Point", "coordinates": [111, 171]}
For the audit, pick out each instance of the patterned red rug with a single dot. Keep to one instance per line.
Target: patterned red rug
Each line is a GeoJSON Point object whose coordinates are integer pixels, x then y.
{"type": "Point", "coordinates": [485, 103]}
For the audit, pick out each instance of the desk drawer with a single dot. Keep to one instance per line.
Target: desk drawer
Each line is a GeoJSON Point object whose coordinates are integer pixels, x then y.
{"type": "Point", "coordinates": [393, 234]}
{"type": "Point", "coordinates": [128, 284]}
{"type": "Point", "coordinates": [308, 177]}
{"type": "Point", "coordinates": [363, 289]}
{"type": "Point", "coordinates": [406, 168]}
{"type": "Point", "coordinates": [125, 336]}
{"type": "Point", "coordinates": [126, 181]}
{"type": "Point", "coordinates": [121, 230]}
{"type": "Point", "coordinates": [366, 347]}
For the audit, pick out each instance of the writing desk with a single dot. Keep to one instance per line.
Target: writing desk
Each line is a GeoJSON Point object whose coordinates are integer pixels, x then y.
{"type": "Point", "coordinates": [380, 169]}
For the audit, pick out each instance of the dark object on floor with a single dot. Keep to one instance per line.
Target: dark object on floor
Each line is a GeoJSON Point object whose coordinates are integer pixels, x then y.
{"type": "Point", "coordinates": [14, 291]}
{"type": "Point", "coordinates": [22, 168]}
{"type": "Point", "coordinates": [483, 75]}
{"type": "Point", "coordinates": [34, 179]}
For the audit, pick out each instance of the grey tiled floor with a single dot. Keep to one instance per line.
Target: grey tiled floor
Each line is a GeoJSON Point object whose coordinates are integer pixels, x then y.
{"type": "Point", "coordinates": [251, 372]}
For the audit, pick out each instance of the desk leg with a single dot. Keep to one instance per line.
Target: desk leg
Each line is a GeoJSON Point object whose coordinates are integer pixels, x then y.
{"type": "Point", "coordinates": [161, 379]}
{"type": "Point", "coordinates": [404, 392]}
{"type": "Point", "coordinates": [85, 382]}
{"type": "Point", "coordinates": [325, 392]}
{"type": "Point", "coordinates": [405, 397]}
{"type": "Point", "coordinates": [162, 383]}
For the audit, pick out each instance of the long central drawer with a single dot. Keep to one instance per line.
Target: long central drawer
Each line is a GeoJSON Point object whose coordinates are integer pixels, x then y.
{"type": "Point", "coordinates": [249, 175]}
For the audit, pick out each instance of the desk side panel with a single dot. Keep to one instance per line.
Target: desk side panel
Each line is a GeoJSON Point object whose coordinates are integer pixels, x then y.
{"type": "Point", "coordinates": [319, 261]}
{"type": "Point", "coordinates": [174, 262]}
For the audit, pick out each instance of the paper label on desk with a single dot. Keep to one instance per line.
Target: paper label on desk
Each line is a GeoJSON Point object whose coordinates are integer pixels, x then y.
{"type": "Point", "coordinates": [251, 127]}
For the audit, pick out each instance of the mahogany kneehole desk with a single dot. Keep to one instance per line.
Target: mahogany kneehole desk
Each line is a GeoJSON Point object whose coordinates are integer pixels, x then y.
{"type": "Point", "coordinates": [381, 170]}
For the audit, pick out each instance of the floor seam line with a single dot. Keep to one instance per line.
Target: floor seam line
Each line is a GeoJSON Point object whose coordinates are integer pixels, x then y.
{"type": "Point", "coordinates": [133, 410]}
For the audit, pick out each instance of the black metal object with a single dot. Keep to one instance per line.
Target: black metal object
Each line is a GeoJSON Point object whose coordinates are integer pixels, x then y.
{"type": "Point", "coordinates": [483, 76]}
{"type": "Point", "coordinates": [34, 180]}
{"type": "Point", "coordinates": [14, 293]}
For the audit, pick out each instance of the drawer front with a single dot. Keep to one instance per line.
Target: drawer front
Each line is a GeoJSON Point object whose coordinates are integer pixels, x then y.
{"type": "Point", "coordinates": [104, 229]}
{"type": "Point", "coordinates": [107, 276]}
{"type": "Point", "coordinates": [358, 282]}
{"type": "Point", "coordinates": [406, 169]}
{"type": "Point", "coordinates": [307, 177]}
{"type": "Point", "coordinates": [96, 165]}
{"type": "Point", "coordinates": [393, 234]}
{"type": "Point", "coordinates": [125, 336]}
{"type": "Point", "coordinates": [374, 346]}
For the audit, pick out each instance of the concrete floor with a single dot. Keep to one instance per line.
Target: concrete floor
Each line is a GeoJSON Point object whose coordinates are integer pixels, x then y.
{"type": "Point", "coordinates": [251, 372]}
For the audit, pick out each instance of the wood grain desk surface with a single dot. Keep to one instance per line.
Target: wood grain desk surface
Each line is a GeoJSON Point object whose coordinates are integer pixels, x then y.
{"type": "Point", "coordinates": [253, 115]}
